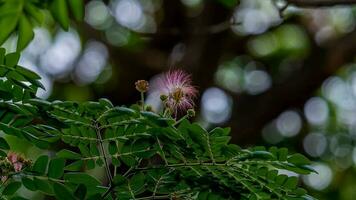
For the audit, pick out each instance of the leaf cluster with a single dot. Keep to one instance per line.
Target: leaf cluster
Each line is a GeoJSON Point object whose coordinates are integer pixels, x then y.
{"type": "Point", "coordinates": [21, 16]}
{"type": "Point", "coordinates": [146, 155]}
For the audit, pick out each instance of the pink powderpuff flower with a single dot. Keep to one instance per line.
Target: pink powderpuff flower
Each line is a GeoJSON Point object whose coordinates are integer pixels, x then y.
{"type": "Point", "coordinates": [16, 161]}
{"type": "Point", "coordinates": [177, 86]}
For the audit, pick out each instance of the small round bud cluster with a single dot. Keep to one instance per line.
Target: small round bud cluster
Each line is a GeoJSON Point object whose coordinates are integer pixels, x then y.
{"type": "Point", "coordinates": [142, 85]}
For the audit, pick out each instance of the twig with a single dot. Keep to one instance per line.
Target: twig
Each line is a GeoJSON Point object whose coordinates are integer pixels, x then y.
{"type": "Point", "coordinates": [108, 191]}
{"type": "Point", "coordinates": [320, 3]}
{"type": "Point", "coordinates": [281, 9]}
{"type": "Point", "coordinates": [107, 169]}
{"type": "Point", "coordinates": [142, 101]}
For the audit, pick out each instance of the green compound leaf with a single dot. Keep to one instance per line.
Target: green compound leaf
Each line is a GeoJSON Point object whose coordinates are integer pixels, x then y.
{"type": "Point", "coordinates": [40, 165]}
{"type": "Point", "coordinates": [21, 16]}
{"type": "Point", "coordinates": [60, 13]}
{"type": "Point", "coordinates": [62, 192]}
{"type": "Point", "coordinates": [66, 154]}
{"type": "Point", "coordinates": [56, 168]}
{"type": "Point", "coordinates": [77, 8]}
{"type": "Point", "coordinates": [26, 33]}
{"type": "Point", "coordinates": [4, 145]}
{"type": "Point", "coordinates": [11, 188]}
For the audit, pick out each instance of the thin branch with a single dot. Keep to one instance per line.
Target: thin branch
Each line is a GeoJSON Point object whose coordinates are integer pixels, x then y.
{"type": "Point", "coordinates": [3, 184]}
{"type": "Point", "coordinates": [142, 101]}
{"type": "Point", "coordinates": [201, 31]}
{"type": "Point", "coordinates": [108, 191]}
{"type": "Point", "coordinates": [182, 165]}
{"type": "Point", "coordinates": [155, 197]}
{"type": "Point", "coordinates": [107, 169]}
{"type": "Point", "coordinates": [320, 3]}
{"type": "Point", "coordinates": [161, 151]}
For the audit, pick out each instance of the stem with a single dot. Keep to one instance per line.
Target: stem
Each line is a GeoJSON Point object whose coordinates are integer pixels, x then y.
{"type": "Point", "coordinates": [183, 165]}
{"type": "Point", "coordinates": [166, 112]}
{"type": "Point", "coordinates": [107, 169]}
{"type": "Point", "coordinates": [3, 185]}
{"type": "Point", "coordinates": [162, 152]}
{"type": "Point", "coordinates": [108, 191]}
{"type": "Point", "coordinates": [154, 197]}
{"type": "Point", "coordinates": [143, 101]}
{"type": "Point", "coordinates": [43, 177]}
{"type": "Point", "coordinates": [128, 171]}
{"type": "Point", "coordinates": [181, 119]}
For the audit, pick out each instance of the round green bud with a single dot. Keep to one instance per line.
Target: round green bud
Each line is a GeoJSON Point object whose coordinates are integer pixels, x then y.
{"type": "Point", "coordinates": [163, 97]}
{"type": "Point", "coordinates": [190, 113]}
{"type": "Point", "coordinates": [149, 108]}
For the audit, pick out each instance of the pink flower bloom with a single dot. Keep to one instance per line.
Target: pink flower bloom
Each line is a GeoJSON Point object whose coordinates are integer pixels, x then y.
{"type": "Point", "coordinates": [12, 157]}
{"type": "Point", "coordinates": [16, 161]}
{"type": "Point", "coordinates": [177, 86]}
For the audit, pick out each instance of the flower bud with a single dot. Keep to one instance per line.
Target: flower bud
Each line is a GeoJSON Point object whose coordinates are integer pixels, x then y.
{"type": "Point", "coordinates": [142, 85]}
{"type": "Point", "coordinates": [149, 108]}
{"type": "Point", "coordinates": [163, 97]}
{"type": "Point", "coordinates": [191, 113]}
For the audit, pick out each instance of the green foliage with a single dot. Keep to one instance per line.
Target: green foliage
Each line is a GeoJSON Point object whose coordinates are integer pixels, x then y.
{"type": "Point", "coordinates": [146, 155]}
{"type": "Point", "coordinates": [21, 16]}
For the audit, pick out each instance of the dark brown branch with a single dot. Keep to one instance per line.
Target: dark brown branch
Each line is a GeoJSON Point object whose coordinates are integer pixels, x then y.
{"type": "Point", "coordinates": [320, 3]}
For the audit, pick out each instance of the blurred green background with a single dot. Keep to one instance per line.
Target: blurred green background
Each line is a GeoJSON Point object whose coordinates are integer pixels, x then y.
{"type": "Point", "coordinates": [287, 80]}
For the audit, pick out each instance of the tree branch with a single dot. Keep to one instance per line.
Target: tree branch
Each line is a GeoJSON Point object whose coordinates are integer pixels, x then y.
{"type": "Point", "coordinates": [320, 3]}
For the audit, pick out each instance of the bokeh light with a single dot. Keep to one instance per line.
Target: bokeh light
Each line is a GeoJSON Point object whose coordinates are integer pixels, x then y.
{"type": "Point", "coordinates": [91, 63]}
{"type": "Point", "coordinates": [320, 180]}
{"type": "Point", "coordinates": [129, 13]}
{"type": "Point", "coordinates": [315, 144]}
{"type": "Point", "coordinates": [257, 81]}
{"type": "Point", "coordinates": [243, 75]}
{"type": "Point", "coordinates": [118, 36]}
{"type": "Point", "coordinates": [289, 40]}
{"type": "Point", "coordinates": [271, 134]}
{"type": "Point", "coordinates": [97, 14]}
{"type": "Point", "coordinates": [255, 16]}
{"type": "Point", "coordinates": [216, 106]}
{"type": "Point", "coordinates": [289, 123]}
{"type": "Point", "coordinates": [230, 76]}
{"type": "Point", "coordinates": [59, 58]}
{"type": "Point", "coordinates": [316, 111]}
